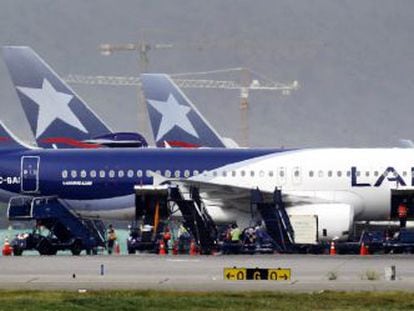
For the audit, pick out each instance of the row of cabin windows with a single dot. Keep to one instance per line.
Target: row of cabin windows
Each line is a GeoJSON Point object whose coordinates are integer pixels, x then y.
{"type": "Point", "coordinates": [122, 173]}
{"type": "Point", "coordinates": [187, 173]}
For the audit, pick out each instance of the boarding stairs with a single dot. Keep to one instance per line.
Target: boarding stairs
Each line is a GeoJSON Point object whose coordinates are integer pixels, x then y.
{"type": "Point", "coordinates": [67, 229]}
{"type": "Point", "coordinates": [196, 218]}
{"type": "Point", "coordinates": [276, 219]}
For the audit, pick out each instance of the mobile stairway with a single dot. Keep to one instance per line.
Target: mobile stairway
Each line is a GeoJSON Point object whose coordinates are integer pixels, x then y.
{"type": "Point", "coordinates": [152, 206]}
{"type": "Point", "coordinates": [276, 220]}
{"type": "Point", "coordinates": [67, 230]}
{"type": "Point", "coordinates": [197, 220]}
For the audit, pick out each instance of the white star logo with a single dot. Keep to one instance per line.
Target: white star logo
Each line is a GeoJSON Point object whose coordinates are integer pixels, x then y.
{"type": "Point", "coordinates": [52, 105]}
{"type": "Point", "coordinates": [173, 114]}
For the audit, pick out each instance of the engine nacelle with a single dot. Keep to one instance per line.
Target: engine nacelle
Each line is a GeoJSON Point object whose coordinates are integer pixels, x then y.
{"type": "Point", "coordinates": [335, 220]}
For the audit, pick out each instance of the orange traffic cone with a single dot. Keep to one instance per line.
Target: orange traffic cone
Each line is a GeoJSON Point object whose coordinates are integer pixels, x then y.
{"type": "Point", "coordinates": [117, 248]}
{"type": "Point", "coordinates": [162, 251]}
{"type": "Point", "coordinates": [7, 249]}
{"type": "Point", "coordinates": [332, 250]}
{"type": "Point", "coordinates": [363, 251]}
{"type": "Point", "coordinates": [193, 248]}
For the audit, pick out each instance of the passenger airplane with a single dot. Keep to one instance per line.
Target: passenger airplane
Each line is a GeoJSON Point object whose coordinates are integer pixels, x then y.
{"type": "Point", "coordinates": [338, 185]}
{"type": "Point", "coordinates": [58, 117]}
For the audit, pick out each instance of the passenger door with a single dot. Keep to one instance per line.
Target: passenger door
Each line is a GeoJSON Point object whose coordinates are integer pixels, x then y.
{"type": "Point", "coordinates": [30, 174]}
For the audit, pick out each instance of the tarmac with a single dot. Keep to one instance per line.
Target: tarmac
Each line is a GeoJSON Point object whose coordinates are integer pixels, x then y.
{"type": "Point", "coordinates": [310, 273]}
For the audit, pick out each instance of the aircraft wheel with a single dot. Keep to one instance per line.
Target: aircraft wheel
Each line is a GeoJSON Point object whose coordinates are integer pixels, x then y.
{"type": "Point", "coordinates": [76, 248]}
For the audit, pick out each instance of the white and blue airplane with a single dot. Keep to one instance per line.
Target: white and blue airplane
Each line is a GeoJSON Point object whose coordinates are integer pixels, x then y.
{"type": "Point", "coordinates": [340, 186]}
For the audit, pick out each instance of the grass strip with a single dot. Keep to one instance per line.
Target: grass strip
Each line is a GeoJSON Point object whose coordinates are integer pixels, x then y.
{"type": "Point", "coordinates": [166, 300]}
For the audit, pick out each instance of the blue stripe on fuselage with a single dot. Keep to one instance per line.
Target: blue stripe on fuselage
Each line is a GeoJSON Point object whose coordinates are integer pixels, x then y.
{"type": "Point", "coordinates": [53, 162]}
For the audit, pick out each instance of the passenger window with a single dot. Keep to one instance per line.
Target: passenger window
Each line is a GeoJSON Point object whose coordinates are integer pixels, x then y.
{"type": "Point", "coordinates": [121, 173]}
{"type": "Point", "coordinates": [130, 173]}
{"type": "Point", "coordinates": [281, 173]}
{"type": "Point", "coordinates": [64, 174]}
{"type": "Point", "coordinates": [177, 173]}
{"type": "Point", "coordinates": [376, 173]}
{"type": "Point", "coordinates": [320, 174]}
{"type": "Point", "coordinates": [92, 174]}
{"type": "Point", "coordinates": [186, 173]}
{"type": "Point", "coordinates": [252, 173]}
{"type": "Point", "coordinates": [310, 173]}
{"type": "Point", "coordinates": [148, 173]}
{"type": "Point", "coordinates": [74, 174]}
{"type": "Point", "coordinates": [296, 173]}
{"type": "Point", "coordinates": [339, 173]}
{"type": "Point", "coordinates": [214, 173]}
{"type": "Point", "coordinates": [195, 173]}
{"type": "Point", "coordinates": [83, 174]}
{"type": "Point", "coordinates": [270, 173]}
{"type": "Point", "coordinates": [242, 173]}
{"type": "Point", "coordinates": [139, 173]}
{"type": "Point", "coordinates": [102, 173]}
{"type": "Point", "coordinates": [233, 173]}
{"type": "Point", "coordinates": [111, 174]}
{"type": "Point", "coordinates": [348, 173]}
{"type": "Point", "coordinates": [404, 173]}
{"type": "Point", "coordinates": [167, 173]}
{"type": "Point", "coordinates": [261, 173]}
{"type": "Point", "coordinates": [224, 173]}
{"type": "Point", "coordinates": [329, 173]}
{"type": "Point", "coordinates": [367, 174]}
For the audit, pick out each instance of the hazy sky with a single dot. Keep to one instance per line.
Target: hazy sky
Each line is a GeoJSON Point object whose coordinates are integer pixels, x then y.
{"type": "Point", "coordinates": [353, 59]}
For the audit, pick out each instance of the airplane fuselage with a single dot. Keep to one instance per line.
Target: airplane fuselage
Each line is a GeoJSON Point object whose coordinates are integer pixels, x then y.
{"type": "Point", "coordinates": [101, 182]}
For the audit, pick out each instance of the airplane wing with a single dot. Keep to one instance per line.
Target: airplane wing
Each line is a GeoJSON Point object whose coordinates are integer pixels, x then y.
{"type": "Point", "coordinates": [234, 196]}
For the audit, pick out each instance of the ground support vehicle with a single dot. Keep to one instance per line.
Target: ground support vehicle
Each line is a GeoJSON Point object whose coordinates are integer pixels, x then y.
{"type": "Point", "coordinates": [65, 229]}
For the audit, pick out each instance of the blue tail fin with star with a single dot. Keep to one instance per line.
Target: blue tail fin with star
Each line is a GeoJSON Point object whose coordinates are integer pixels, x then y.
{"type": "Point", "coordinates": [175, 121]}
{"type": "Point", "coordinates": [58, 117]}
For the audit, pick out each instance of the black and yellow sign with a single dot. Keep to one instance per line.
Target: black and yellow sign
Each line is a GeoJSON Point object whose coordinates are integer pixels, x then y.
{"type": "Point", "coordinates": [242, 274]}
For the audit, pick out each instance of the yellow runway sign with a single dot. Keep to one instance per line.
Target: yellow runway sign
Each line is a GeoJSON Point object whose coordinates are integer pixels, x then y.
{"type": "Point", "coordinates": [235, 274]}
{"type": "Point", "coordinates": [243, 274]}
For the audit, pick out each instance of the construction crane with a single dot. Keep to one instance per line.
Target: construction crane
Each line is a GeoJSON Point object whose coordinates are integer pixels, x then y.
{"type": "Point", "coordinates": [244, 87]}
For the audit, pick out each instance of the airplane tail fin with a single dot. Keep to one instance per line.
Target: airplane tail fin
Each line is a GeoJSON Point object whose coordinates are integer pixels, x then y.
{"type": "Point", "coordinates": [58, 117]}
{"type": "Point", "coordinates": [175, 121]}
{"type": "Point", "coordinates": [8, 141]}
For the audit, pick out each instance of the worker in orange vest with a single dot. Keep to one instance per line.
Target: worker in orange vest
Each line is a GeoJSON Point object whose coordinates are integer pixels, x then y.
{"type": "Point", "coordinates": [402, 214]}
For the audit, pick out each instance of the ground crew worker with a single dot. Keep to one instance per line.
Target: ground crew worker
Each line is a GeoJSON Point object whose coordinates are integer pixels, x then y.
{"type": "Point", "coordinates": [184, 239]}
{"type": "Point", "coordinates": [402, 214]}
{"type": "Point", "coordinates": [111, 239]}
{"type": "Point", "coordinates": [235, 239]}
{"type": "Point", "coordinates": [235, 234]}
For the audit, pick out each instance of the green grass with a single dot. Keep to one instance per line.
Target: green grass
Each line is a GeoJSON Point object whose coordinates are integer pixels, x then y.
{"type": "Point", "coordinates": [160, 300]}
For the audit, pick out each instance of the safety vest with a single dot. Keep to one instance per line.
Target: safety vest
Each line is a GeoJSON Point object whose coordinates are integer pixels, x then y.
{"type": "Point", "coordinates": [235, 234]}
